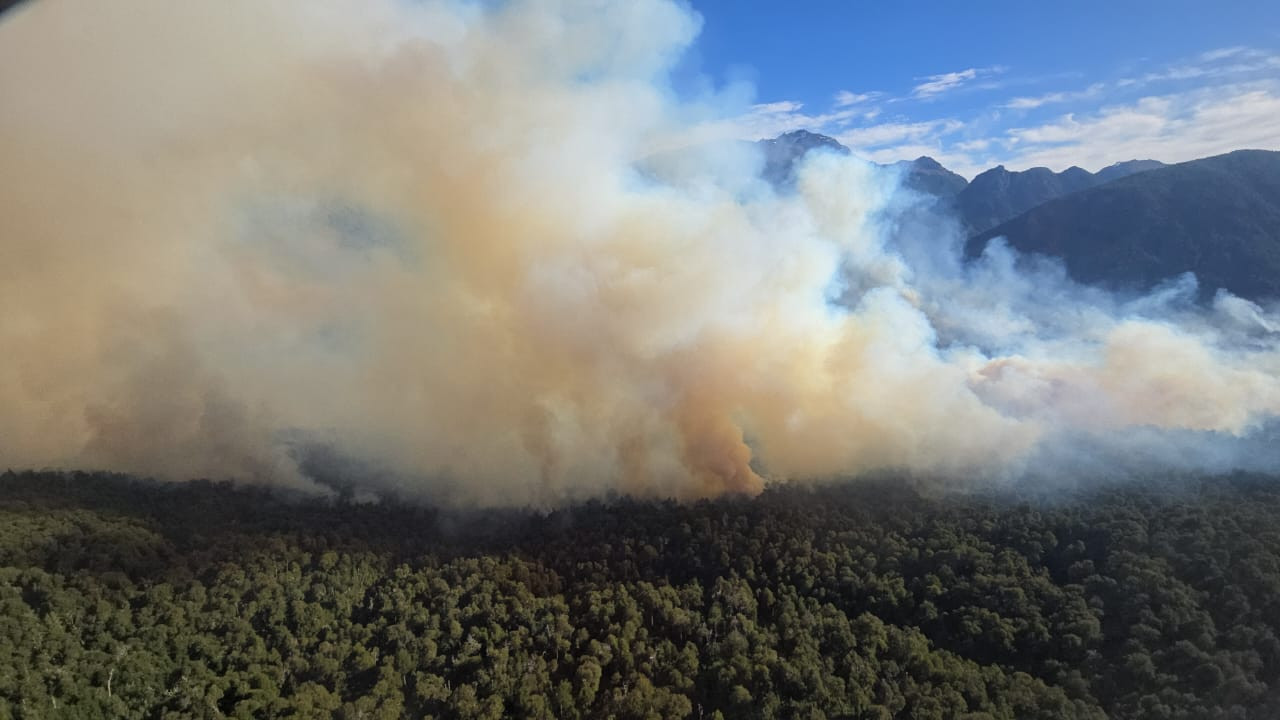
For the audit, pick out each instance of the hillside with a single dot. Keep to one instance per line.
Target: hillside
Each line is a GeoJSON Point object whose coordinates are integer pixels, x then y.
{"type": "Point", "coordinates": [1218, 217]}
{"type": "Point", "coordinates": [127, 599]}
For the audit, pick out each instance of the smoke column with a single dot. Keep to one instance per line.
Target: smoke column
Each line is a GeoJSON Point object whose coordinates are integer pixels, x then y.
{"type": "Point", "coordinates": [473, 249]}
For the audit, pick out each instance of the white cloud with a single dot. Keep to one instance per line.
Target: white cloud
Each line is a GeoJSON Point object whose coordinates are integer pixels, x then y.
{"type": "Point", "coordinates": [1220, 112]}
{"type": "Point", "coordinates": [891, 142]}
{"type": "Point", "coordinates": [894, 133]}
{"type": "Point", "coordinates": [1028, 103]}
{"type": "Point", "coordinates": [767, 120]}
{"type": "Point", "coordinates": [1171, 128]}
{"type": "Point", "coordinates": [1234, 62]}
{"type": "Point", "coordinates": [781, 107]}
{"type": "Point", "coordinates": [1230, 52]}
{"type": "Point", "coordinates": [935, 84]}
{"type": "Point", "coordinates": [845, 98]}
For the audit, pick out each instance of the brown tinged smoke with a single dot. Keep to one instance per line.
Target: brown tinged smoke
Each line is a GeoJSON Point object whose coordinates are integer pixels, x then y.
{"type": "Point", "coordinates": [457, 242]}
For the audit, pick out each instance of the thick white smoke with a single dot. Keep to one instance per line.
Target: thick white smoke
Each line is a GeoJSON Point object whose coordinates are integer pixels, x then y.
{"type": "Point", "coordinates": [463, 247]}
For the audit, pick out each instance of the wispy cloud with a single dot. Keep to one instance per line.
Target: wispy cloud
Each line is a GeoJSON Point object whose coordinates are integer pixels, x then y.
{"type": "Point", "coordinates": [770, 119]}
{"type": "Point", "coordinates": [1172, 128]}
{"type": "Point", "coordinates": [892, 142]}
{"type": "Point", "coordinates": [777, 108]}
{"type": "Point", "coordinates": [1029, 103]}
{"type": "Point", "coordinates": [875, 136]}
{"type": "Point", "coordinates": [935, 85]}
{"type": "Point", "coordinates": [1230, 62]}
{"type": "Point", "coordinates": [1228, 99]}
{"type": "Point", "coordinates": [1238, 51]}
{"type": "Point", "coordinates": [766, 120]}
{"type": "Point", "coordinates": [846, 98]}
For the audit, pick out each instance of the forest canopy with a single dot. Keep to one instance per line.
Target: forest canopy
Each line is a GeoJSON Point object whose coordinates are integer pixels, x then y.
{"type": "Point", "coordinates": [122, 598]}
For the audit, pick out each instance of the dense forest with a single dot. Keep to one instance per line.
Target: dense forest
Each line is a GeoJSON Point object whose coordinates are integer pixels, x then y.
{"type": "Point", "coordinates": [122, 598]}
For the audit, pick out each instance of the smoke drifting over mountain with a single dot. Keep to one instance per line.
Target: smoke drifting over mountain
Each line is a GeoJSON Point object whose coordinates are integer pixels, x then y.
{"type": "Point", "coordinates": [462, 247]}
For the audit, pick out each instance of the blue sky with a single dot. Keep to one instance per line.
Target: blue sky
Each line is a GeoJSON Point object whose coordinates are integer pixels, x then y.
{"type": "Point", "coordinates": [975, 84]}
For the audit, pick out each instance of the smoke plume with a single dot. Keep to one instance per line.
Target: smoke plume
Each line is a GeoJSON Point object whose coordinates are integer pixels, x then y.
{"type": "Point", "coordinates": [472, 249]}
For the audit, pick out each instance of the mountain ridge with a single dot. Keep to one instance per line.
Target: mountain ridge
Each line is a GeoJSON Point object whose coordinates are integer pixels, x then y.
{"type": "Point", "coordinates": [992, 197]}
{"type": "Point", "coordinates": [1217, 217]}
{"type": "Point", "coordinates": [1131, 225]}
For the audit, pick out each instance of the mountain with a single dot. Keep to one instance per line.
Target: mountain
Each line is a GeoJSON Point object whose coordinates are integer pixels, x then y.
{"type": "Point", "coordinates": [1130, 225]}
{"type": "Point", "coordinates": [783, 152]}
{"type": "Point", "coordinates": [993, 197]}
{"type": "Point", "coordinates": [926, 175]}
{"type": "Point", "coordinates": [1123, 169]}
{"type": "Point", "coordinates": [998, 195]}
{"type": "Point", "coordinates": [1218, 217]}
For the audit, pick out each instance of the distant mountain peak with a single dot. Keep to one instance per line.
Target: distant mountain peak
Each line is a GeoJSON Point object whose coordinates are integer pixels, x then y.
{"type": "Point", "coordinates": [783, 152]}
{"type": "Point", "coordinates": [1137, 163]}
{"type": "Point", "coordinates": [1115, 171]}
{"type": "Point", "coordinates": [802, 141]}
{"type": "Point", "coordinates": [803, 134]}
{"type": "Point", "coordinates": [924, 174]}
